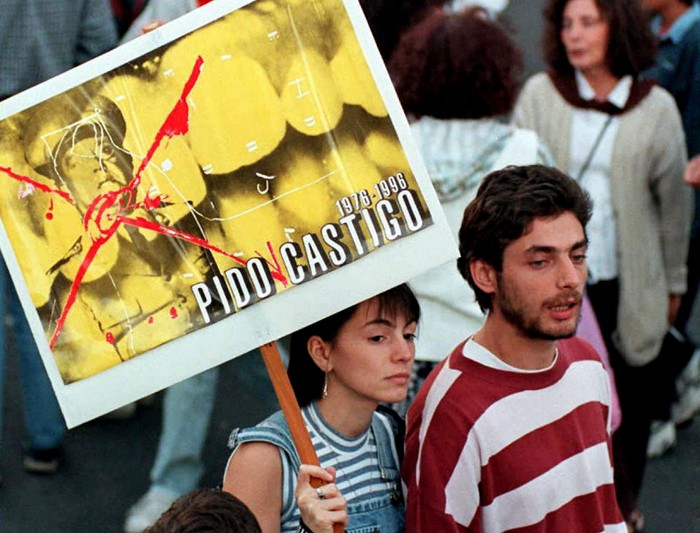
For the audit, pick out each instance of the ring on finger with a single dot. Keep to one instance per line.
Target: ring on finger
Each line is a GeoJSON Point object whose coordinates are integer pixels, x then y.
{"type": "Point", "coordinates": [321, 494]}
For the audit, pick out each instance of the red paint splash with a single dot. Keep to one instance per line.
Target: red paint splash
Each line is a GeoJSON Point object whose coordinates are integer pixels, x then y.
{"type": "Point", "coordinates": [275, 268]}
{"type": "Point", "coordinates": [154, 202]}
{"type": "Point", "coordinates": [87, 261]}
{"type": "Point", "coordinates": [49, 213]}
{"type": "Point", "coordinates": [150, 320]}
{"type": "Point", "coordinates": [177, 123]}
{"type": "Point", "coordinates": [105, 214]}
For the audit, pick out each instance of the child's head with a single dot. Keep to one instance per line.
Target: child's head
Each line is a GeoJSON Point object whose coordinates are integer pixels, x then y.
{"type": "Point", "coordinates": [206, 510]}
{"type": "Point", "coordinates": [397, 305]}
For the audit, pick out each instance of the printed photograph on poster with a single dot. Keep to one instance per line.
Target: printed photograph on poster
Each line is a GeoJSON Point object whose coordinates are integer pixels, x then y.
{"type": "Point", "coordinates": [238, 154]}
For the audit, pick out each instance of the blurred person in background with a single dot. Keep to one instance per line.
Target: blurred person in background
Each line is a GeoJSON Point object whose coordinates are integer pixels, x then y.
{"type": "Point", "coordinates": [40, 39]}
{"type": "Point", "coordinates": [622, 139]}
{"type": "Point", "coordinates": [676, 25]}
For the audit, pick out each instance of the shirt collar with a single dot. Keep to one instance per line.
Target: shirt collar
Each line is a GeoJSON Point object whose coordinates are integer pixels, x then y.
{"type": "Point", "coordinates": [618, 96]}
{"type": "Point", "coordinates": [680, 27]}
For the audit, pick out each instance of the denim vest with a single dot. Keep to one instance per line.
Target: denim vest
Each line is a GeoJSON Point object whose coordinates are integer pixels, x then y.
{"type": "Point", "coordinates": [383, 514]}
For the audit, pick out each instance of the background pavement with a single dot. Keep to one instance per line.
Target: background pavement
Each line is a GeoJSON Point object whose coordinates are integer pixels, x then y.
{"type": "Point", "coordinates": [107, 462]}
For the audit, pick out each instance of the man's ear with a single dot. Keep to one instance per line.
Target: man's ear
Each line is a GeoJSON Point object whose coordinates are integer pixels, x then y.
{"type": "Point", "coordinates": [320, 352]}
{"type": "Point", "coordinates": [484, 276]}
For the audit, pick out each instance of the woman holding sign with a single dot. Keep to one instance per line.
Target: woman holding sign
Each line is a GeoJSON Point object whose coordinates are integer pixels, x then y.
{"type": "Point", "coordinates": [340, 368]}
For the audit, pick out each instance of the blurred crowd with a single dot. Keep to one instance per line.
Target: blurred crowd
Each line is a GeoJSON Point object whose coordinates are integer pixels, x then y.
{"type": "Point", "coordinates": [617, 109]}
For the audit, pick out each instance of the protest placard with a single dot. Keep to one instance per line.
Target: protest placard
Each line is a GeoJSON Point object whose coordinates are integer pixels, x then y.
{"type": "Point", "coordinates": [206, 188]}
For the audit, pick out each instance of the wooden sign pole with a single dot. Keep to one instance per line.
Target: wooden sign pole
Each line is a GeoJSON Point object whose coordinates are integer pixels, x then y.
{"type": "Point", "coordinates": [292, 413]}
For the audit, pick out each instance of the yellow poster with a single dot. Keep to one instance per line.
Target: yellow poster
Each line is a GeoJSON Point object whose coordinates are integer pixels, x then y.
{"type": "Point", "coordinates": [238, 154]}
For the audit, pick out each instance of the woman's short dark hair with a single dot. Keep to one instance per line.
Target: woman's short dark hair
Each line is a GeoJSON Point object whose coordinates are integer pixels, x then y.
{"type": "Point", "coordinates": [457, 65]}
{"type": "Point", "coordinates": [205, 510]}
{"type": "Point", "coordinates": [631, 44]}
{"type": "Point", "coordinates": [507, 202]}
{"type": "Point", "coordinates": [306, 377]}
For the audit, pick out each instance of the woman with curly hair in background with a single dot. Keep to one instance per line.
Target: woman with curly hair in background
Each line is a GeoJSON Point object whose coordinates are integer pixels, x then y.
{"type": "Point", "coordinates": [457, 76]}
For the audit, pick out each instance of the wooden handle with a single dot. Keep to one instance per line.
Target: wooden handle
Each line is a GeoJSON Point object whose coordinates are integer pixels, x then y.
{"type": "Point", "coordinates": [292, 413]}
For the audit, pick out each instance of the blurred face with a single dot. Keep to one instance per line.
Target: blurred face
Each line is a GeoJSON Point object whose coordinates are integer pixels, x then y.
{"type": "Point", "coordinates": [372, 356]}
{"type": "Point", "coordinates": [541, 285]}
{"type": "Point", "coordinates": [584, 34]}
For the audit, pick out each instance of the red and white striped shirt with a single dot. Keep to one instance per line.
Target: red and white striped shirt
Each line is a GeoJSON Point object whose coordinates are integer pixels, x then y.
{"type": "Point", "coordinates": [492, 450]}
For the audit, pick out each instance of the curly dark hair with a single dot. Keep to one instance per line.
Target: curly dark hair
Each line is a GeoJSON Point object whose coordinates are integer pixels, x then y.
{"type": "Point", "coordinates": [631, 44]}
{"type": "Point", "coordinates": [306, 377]}
{"type": "Point", "coordinates": [457, 65]}
{"type": "Point", "coordinates": [206, 510]}
{"type": "Point", "coordinates": [506, 204]}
